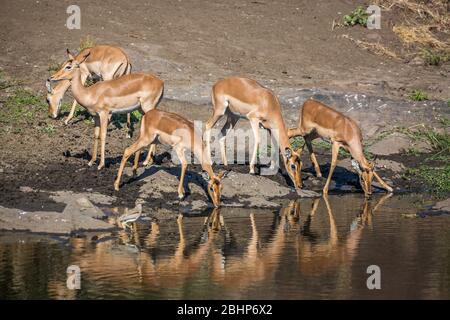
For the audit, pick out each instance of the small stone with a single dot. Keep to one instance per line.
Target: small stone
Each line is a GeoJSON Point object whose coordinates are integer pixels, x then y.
{"type": "Point", "coordinates": [26, 189]}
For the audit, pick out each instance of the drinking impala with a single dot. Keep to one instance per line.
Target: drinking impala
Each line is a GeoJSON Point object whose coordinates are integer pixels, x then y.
{"type": "Point", "coordinates": [236, 97]}
{"type": "Point", "coordinates": [318, 120]}
{"type": "Point", "coordinates": [178, 132]}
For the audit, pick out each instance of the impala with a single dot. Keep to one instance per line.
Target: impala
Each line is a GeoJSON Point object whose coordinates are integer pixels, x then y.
{"type": "Point", "coordinates": [240, 97]}
{"type": "Point", "coordinates": [104, 61]}
{"type": "Point", "coordinates": [318, 120]}
{"type": "Point", "coordinates": [124, 94]}
{"type": "Point", "coordinates": [179, 133]}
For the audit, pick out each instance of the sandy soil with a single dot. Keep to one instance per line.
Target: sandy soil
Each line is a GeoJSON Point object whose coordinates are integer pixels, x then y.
{"type": "Point", "coordinates": [192, 43]}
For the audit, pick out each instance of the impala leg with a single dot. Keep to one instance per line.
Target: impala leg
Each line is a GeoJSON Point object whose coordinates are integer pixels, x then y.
{"type": "Point", "coordinates": [181, 156]}
{"type": "Point", "coordinates": [134, 148]}
{"type": "Point", "coordinates": [255, 128]}
{"type": "Point", "coordinates": [71, 113]}
{"type": "Point", "coordinates": [308, 141]}
{"type": "Point", "coordinates": [136, 161]}
{"type": "Point", "coordinates": [128, 126]}
{"type": "Point", "coordinates": [103, 129]}
{"type": "Point", "coordinates": [95, 142]}
{"type": "Point", "coordinates": [209, 124]}
{"type": "Point", "coordinates": [151, 153]}
{"type": "Point", "coordinates": [229, 125]}
{"type": "Point", "coordinates": [334, 155]}
{"type": "Point", "coordinates": [381, 181]}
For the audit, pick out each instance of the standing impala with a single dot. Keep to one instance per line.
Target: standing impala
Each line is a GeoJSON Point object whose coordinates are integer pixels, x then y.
{"type": "Point", "coordinates": [124, 94]}
{"type": "Point", "coordinates": [176, 131]}
{"type": "Point", "coordinates": [318, 120]}
{"type": "Point", "coordinates": [240, 97]}
{"type": "Point", "coordinates": [105, 61]}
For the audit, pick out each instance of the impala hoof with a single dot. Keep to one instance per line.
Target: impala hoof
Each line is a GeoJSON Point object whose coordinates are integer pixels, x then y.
{"type": "Point", "coordinates": [91, 163]}
{"type": "Point", "coordinates": [116, 186]}
{"type": "Point", "coordinates": [147, 163]}
{"type": "Point", "coordinates": [100, 167]}
{"type": "Point", "coordinates": [181, 196]}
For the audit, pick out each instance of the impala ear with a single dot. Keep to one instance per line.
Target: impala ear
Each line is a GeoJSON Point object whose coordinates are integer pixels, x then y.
{"type": "Point", "coordinates": [85, 57]}
{"type": "Point", "coordinates": [222, 174]}
{"type": "Point", "coordinates": [77, 63]}
{"type": "Point", "coordinates": [48, 85]}
{"type": "Point", "coordinates": [288, 153]}
{"type": "Point", "coordinates": [69, 54]}
{"type": "Point", "coordinates": [205, 175]}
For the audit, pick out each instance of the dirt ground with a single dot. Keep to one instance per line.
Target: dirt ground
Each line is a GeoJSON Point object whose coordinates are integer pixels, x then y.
{"type": "Point", "coordinates": [190, 44]}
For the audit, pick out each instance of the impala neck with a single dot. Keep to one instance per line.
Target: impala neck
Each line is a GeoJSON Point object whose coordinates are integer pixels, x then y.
{"type": "Point", "coordinates": [204, 157]}
{"type": "Point", "coordinates": [281, 137]}
{"type": "Point", "coordinates": [80, 92]}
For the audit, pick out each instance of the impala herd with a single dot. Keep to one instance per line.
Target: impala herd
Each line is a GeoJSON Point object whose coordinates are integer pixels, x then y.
{"type": "Point", "coordinates": [121, 91]}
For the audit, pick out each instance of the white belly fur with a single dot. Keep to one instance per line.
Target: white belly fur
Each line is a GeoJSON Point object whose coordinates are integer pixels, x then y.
{"type": "Point", "coordinates": [127, 109]}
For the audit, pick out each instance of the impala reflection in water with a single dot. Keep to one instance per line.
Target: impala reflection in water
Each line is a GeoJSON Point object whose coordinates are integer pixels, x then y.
{"type": "Point", "coordinates": [311, 248]}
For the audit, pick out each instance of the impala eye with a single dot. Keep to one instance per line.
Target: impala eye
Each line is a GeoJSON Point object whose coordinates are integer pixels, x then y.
{"type": "Point", "coordinates": [68, 67]}
{"type": "Point", "coordinates": [293, 167]}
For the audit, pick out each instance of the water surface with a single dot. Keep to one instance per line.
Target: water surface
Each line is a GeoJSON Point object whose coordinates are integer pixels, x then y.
{"type": "Point", "coordinates": [309, 249]}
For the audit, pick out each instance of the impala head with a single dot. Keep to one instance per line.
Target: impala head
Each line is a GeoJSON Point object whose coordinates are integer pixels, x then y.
{"type": "Point", "coordinates": [55, 95]}
{"type": "Point", "coordinates": [215, 187]}
{"type": "Point", "coordinates": [365, 176]}
{"type": "Point", "coordinates": [68, 67]}
{"type": "Point", "coordinates": [293, 166]}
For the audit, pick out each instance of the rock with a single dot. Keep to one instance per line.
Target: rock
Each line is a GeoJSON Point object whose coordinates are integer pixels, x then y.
{"type": "Point", "coordinates": [393, 144]}
{"type": "Point", "coordinates": [442, 205]}
{"type": "Point", "coordinates": [307, 193]}
{"type": "Point", "coordinates": [68, 196]}
{"type": "Point", "coordinates": [390, 165]}
{"type": "Point", "coordinates": [85, 207]}
{"type": "Point", "coordinates": [26, 189]}
{"type": "Point", "coordinates": [245, 186]}
{"type": "Point", "coordinates": [196, 205]}
{"type": "Point", "coordinates": [417, 61]}
{"type": "Point", "coordinates": [397, 143]}
{"type": "Point", "coordinates": [159, 180]}
{"type": "Point", "coordinates": [238, 189]}
{"type": "Point", "coordinates": [49, 221]}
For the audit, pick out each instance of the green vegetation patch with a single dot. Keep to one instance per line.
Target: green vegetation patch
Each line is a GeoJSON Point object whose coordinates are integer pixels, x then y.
{"type": "Point", "coordinates": [22, 105]}
{"type": "Point", "coordinates": [418, 95]}
{"type": "Point", "coordinates": [358, 16]}
{"type": "Point", "coordinates": [436, 179]}
{"type": "Point", "coordinates": [434, 172]}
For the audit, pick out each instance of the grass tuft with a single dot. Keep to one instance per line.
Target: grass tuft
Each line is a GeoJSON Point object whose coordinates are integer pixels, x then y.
{"type": "Point", "coordinates": [358, 16]}
{"type": "Point", "coordinates": [375, 48]}
{"type": "Point", "coordinates": [85, 43]}
{"type": "Point", "coordinates": [418, 95]}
